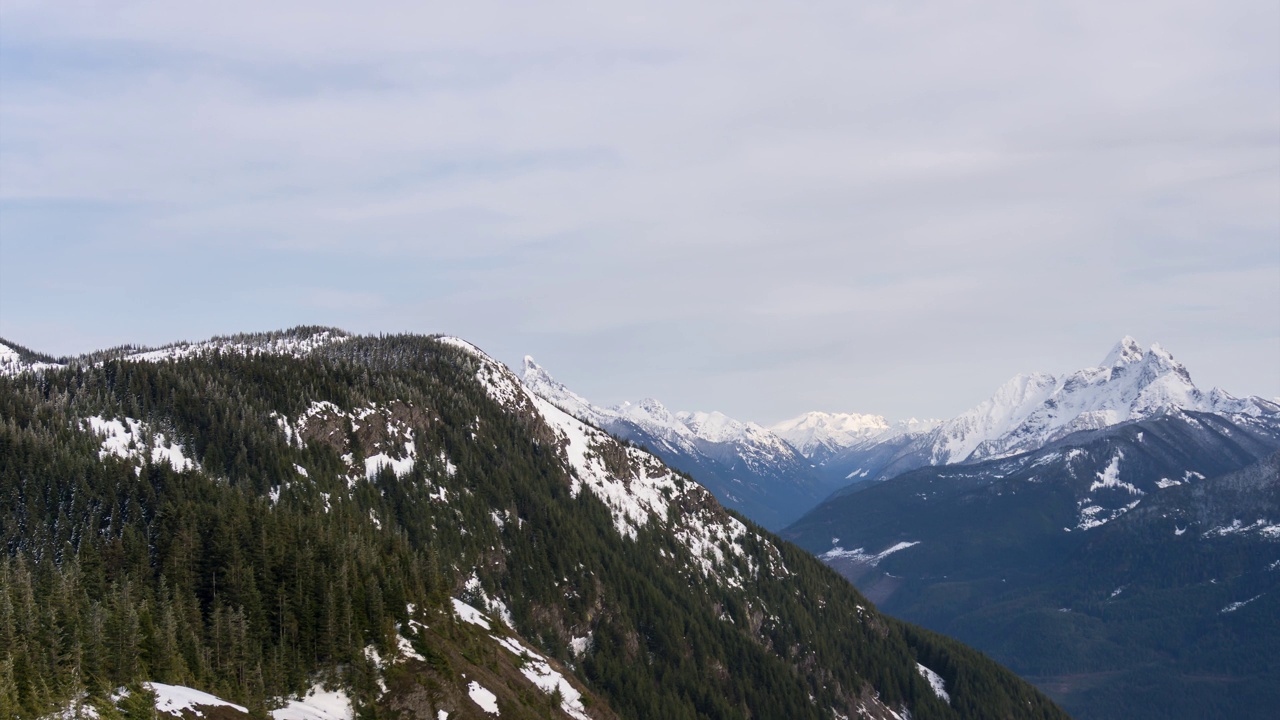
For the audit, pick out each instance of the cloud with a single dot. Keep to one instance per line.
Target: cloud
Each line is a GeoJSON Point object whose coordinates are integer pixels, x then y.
{"type": "Point", "coordinates": [884, 206]}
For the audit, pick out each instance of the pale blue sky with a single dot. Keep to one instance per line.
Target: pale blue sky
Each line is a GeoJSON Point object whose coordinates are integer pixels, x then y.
{"type": "Point", "coordinates": [754, 208]}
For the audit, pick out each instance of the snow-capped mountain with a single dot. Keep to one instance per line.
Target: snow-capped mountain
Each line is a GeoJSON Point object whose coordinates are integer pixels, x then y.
{"type": "Point", "coordinates": [822, 436]}
{"type": "Point", "coordinates": [748, 467]}
{"type": "Point", "coordinates": [1030, 411]}
{"type": "Point", "coordinates": [819, 434]}
{"type": "Point", "coordinates": [1130, 384]}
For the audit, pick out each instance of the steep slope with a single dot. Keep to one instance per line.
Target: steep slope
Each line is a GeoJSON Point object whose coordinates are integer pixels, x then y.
{"type": "Point", "coordinates": [747, 467]}
{"type": "Point", "coordinates": [1005, 553]}
{"type": "Point", "coordinates": [401, 519]}
{"type": "Point", "coordinates": [1030, 411]}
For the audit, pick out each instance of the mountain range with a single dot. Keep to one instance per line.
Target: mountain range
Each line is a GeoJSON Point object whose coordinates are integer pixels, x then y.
{"type": "Point", "coordinates": [1087, 529]}
{"type": "Point", "coordinates": [310, 524]}
{"type": "Point", "coordinates": [775, 474]}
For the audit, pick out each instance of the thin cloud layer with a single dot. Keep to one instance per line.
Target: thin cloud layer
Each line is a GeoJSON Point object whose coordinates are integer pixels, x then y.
{"type": "Point", "coordinates": [883, 207]}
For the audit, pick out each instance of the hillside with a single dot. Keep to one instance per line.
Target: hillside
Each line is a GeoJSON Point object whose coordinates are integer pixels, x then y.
{"type": "Point", "coordinates": [398, 520]}
{"type": "Point", "coordinates": [1131, 571]}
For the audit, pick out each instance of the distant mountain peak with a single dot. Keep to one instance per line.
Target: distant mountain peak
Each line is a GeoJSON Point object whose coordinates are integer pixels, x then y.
{"type": "Point", "coordinates": [1127, 351]}
{"type": "Point", "coordinates": [1031, 410]}
{"type": "Point", "coordinates": [817, 432]}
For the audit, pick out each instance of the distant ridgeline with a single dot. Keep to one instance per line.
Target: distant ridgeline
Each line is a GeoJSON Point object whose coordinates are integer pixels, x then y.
{"type": "Point", "coordinates": [310, 523]}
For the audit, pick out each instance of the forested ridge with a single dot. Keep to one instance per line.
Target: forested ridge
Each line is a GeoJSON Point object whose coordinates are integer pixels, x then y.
{"type": "Point", "coordinates": [275, 560]}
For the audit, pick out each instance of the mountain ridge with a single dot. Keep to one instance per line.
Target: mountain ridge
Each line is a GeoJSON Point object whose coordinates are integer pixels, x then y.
{"type": "Point", "coordinates": [346, 499]}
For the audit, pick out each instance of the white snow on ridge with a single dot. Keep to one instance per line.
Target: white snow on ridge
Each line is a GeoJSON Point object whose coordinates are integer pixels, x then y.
{"type": "Point", "coordinates": [292, 346]}
{"type": "Point", "coordinates": [493, 375]}
{"type": "Point", "coordinates": [994, 418]}
{"type": "Point", "coordinates": [11, 364]}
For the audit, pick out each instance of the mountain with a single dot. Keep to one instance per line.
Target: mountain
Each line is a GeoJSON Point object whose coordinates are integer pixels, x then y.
{"type": "Point", "coordinates": [310, 524]}
{"type": "Point", "coordinates": [747, 467]}
{"type": "Point", "coordinates": [1103, 565]}
{"type": "Point", "coordinates": [818, 435]}
{"type": "Point", "coordinates": [1030, 411]}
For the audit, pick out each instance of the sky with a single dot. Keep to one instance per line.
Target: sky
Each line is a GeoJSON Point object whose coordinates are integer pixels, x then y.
{"type": "Point", "coordinates": [756, 208]}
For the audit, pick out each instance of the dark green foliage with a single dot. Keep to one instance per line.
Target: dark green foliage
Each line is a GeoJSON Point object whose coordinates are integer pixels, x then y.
{"type": "Point", "coordinates": [246, 579]}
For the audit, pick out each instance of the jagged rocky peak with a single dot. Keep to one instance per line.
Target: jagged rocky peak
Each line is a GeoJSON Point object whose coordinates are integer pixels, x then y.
{"type": "Point", "coordinates": [539, 381]}
{"type": "Point", "coordinates": [1127, 351]}
{"type": "Point", "coordinates": [1132, 383]}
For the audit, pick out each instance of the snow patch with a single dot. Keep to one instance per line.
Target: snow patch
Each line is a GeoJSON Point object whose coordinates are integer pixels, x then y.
{"type": "Point", "coordinates": [133, 440]}
{"type": "Point", "coordinates": [538, 670]}
{"type": "Point", "coordinates": [468, 614]}
{"type": "Point", "coordinates": [174, 699]}
{"type": "Point", "coordinates": [487, 701]}
{"type": "Point", "coordinates": [1096, 515]}
{"type": "Point", "coordinates": [1237, 605]}
{"type": "Point", "coordinates": [935, 681]}
{"type": "Point", "coordinates": [860, 554]}
{"type": "Point", "coordinates": [317, 704]}
{"type": "Point", "coordinates": [1110, 478]}
{"type": "Point", "coordinates": [1265, 528]}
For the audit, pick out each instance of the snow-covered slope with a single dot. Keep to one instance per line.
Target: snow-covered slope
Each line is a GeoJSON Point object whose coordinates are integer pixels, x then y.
{"type": "Point", "coordinates": [1031, 411]}
{"type": "Point", "coordinates": [748, 467]}
{"type": "Point", "coordinates": [637, 488]}
{"type": "Point", "coordinates": [12, 362]}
